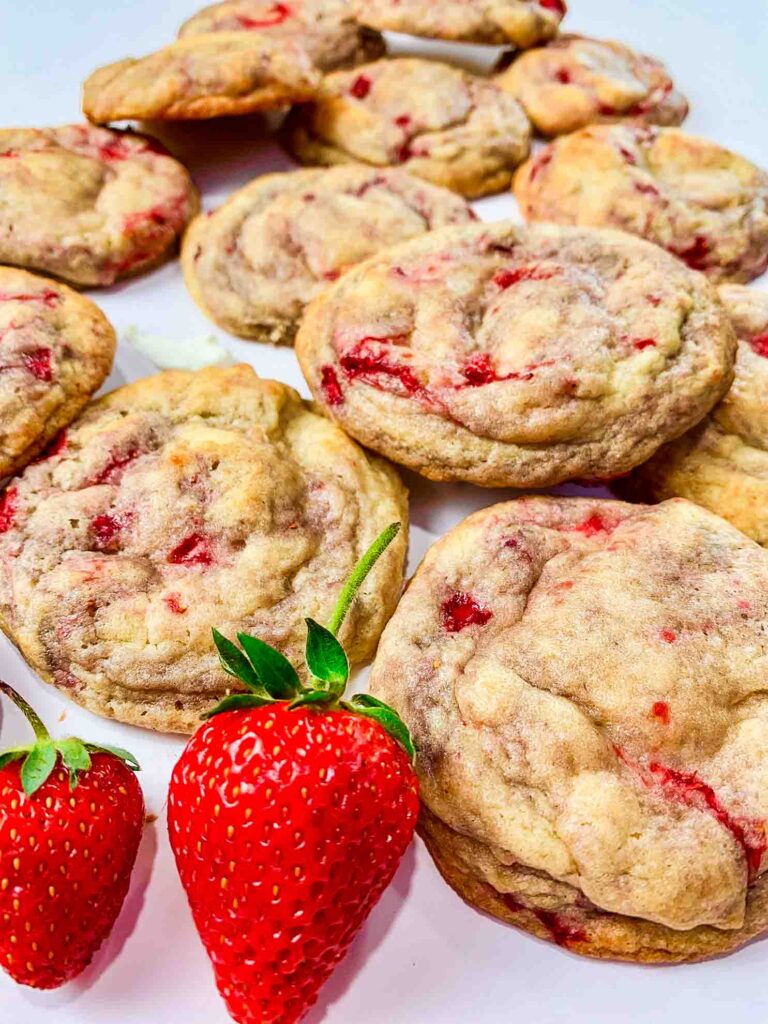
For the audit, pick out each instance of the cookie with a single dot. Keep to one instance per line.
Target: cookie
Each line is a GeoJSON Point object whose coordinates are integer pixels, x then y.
{"type": "Point", "coordinates": [576, 81]}
{"type": "Point", "coordinates": [327, 29]}
{"type": "Point", "coordinates": [56, 349]}
{"type": "Point", "coordinates": [436, 121]}
{"type": "Point", "coordinates": [178, 503]}
{"type": "Point", "coordinates": [520, 22]}
{"type": "Point", "coordinates": [723, 462]}
{"type": "Point", "coordinates": [700, 201]}
{"type": "Point", "coordinates": [88, 204]}
{"type": "Point", "coordinates": [277, 243]}
{"type": "Point", "coordinates": [518, 356]}
{"type": "Point", "coordinates": [212, 75]}
{"type": "Point", "coordinates": [585, 685]}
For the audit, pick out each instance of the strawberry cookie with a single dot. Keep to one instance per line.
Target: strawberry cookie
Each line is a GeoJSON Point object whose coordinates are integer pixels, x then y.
{"type": "Point", "coordinates": [520, 22]}
{"type": "Point", "coordinates": [436, 121]}
{"type": "Point", "coordinates": [181, 502]}
{"type": "Point", "coordinates": [280, 241]}
{"type": "Point", "coordinates": [88, 204]}
{"type": "Point", "coordinates": [700, 201]}
{"type": "Point", "coordinates": [512, 356]}
{"type": "Point", "coordinates": [327, 29]}
{"type": "Point", "coordinates": [56, 349]}
{"type": "Point", "coordinates": [211, 75]}
{"type": "Point", "coordinates": [723, 462]}
{"type": "Point", "coordinates": [577, 81]}
{"type": "Point", "coordinates": [585, 684]}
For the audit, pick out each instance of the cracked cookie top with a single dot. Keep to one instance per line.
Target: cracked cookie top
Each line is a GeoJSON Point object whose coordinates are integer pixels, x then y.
{"type": "Point", "coordinates": [254, 263]}
{"type": "Point", "coordinates": [723, 462]}
{"type": "Point", "coordinates": [178, 503]}
{"type": "Point", "coordinates": [585, 683]}
{"type": "Point", "coordinates": [436, 121]}
{"type": "Point", "coordinates": [88, 204]}
{"type": "Point", "coordinates": [56, 349]}
{"type": "Point", "coordinates": [575, 81]}
{"type": "Point", "coordinates": [518, 356]}
{"type": "Point", "coordinates": [700, 201]}
{"type": "Point", "coordinates": [520, 22]}
{"type": "Point", "coordinates": [327, 29]}
{"type": "Point", "coordinates": [213, 75]}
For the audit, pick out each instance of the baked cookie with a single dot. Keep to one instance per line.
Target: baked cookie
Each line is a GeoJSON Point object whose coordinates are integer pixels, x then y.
{"type": "Point", "coordinates": [88, 204]}
{"type": "Point", "coordinates": [178, 503]}
{"type": "Point", "coordinates": [56, 349]}
{"type": "Point", "coordinates": [212, 75]}
{"type": "Point", "coordinates": [518, 356]}
{"type": "Point", "coordinates": [723, 462]}
{"type": "Point", "coordinates": [577, 81]}
{"type": "Point", "coordinates": [585, 683]}
{"type": "Point", "coordinates": [703, 203]}
{"type": "Point", "coordinates": [327, 29]}
{"type": "Point", "coordinates": [436, 121]}
{"type": "Point", "coordinates": [277, 243]}
{"type": "Point", "coordinates": [520, 22]}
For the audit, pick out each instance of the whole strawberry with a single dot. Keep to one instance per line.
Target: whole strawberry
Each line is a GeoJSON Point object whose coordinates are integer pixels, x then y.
{"type": "Point", "coordinates": [289, 812]}
{"type": "Point", "coordinates": [71, 817]}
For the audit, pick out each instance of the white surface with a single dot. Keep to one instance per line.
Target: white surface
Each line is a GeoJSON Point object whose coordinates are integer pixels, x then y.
{"type": "Point", "coordinates": [424, 956]}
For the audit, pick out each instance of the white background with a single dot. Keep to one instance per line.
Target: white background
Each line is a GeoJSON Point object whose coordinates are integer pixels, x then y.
{"type": "Point", "coordinates": [424, 956]}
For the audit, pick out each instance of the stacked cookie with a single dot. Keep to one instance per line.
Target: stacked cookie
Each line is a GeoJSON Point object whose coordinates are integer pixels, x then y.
{"type": "Point", "coordinates": [584, 679]}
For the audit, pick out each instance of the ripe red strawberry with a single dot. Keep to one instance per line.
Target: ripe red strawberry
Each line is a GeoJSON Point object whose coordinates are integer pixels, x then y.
{"type": "Point", "coordinates": [71, 817]}
{"type": "Point", "coordinates": [289, 812]}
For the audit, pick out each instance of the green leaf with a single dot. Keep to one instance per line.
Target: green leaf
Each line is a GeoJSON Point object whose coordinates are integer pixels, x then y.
{"type": "Point", "coordinates": [276, 674]}
{"type": "Point", "coordinates": [387, 719]}
{"type": "Point", "coordinates": [309, 697]}
{"type": "Point", "coordinates": [38, 765]}
{"type": "Point", "coordinates": [12, 755]}
{"type": "Point", "coordinates": [123, 755]}
{"type": "Point", "coordinates": [234, 662]}
{"type": "Point", "coordinates": [75, 757]}
{"type": "Point", "coordinates": [237, 702]}
{"type": "Point", "coordinates": [326, 657]}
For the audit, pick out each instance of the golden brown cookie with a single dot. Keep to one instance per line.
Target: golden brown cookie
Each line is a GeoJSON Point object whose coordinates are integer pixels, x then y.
{"type": "Point", "coordinates": [723, 462]}
{"type": "Point", "coordinates": [179, 503]}
{"type": "Point", "coordinates": [211, 75]}
{"type": "Point", "coordinates": [254, 263]}
{"type": "Point", "coordinates": [327, 29]}
{"type": "Point", "coordinates": [518, 356]}
{"type": "Point", "coordinates": [700, 201]}
{"type": "Point", "coordinates": [434, 120]}
{"type": "Point", "coordinates": [88, 204]}
{"type": "Point", "coordinates": [56, 349]}
{"type": "Point", "coordinates": [585, 684]}
{"type": "Point", "coordinates": [520, 22]}
{"type": "Point", "coordinates": [575, 81]}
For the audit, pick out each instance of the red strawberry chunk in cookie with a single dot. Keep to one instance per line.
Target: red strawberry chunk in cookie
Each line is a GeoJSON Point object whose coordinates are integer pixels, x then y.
{"type": "Point", "coordinates": [506, 278]}
{"type": "Point", "coordinates": [8, 510]}
{"type": "Point", "coordinates": [329, 382]}
{"type": "Point", "coordinates": [461, 610]}
{"type": "Point", "coordinates": [597, 523]}
{"type": "Point", "coordinates": [759, 344]}
{"type": "Point", "coordinates": [276, 15]}
{"type": "Point", "coordinates": [660, 711]}
{"type": "Point", "coordinates": [113, 470]}
{"type": "Point", "coordinates": [360, 87]}
{"type": "Point", "coordinates": [48, 297]}
{"type": "Point", "coordinates": [173, 602]}
{"type": "Point", "coordinates": [376, 369]}
{"type": "Point", "coordinates": [193, 550]}
{"type": "Point", "coordinates": [38, 363]}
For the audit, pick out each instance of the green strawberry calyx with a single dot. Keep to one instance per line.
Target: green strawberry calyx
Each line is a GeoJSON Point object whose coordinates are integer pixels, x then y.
{"type": "Point", "coordinates": [41, 757]}
{"type": "Point", "coordinates": [268, 676]}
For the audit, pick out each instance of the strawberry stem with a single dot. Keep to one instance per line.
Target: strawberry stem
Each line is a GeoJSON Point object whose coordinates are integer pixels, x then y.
{"type": "Point", "coordinates": [361, 570]}
{"type": "Point", "coordinates": [41, 733]}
